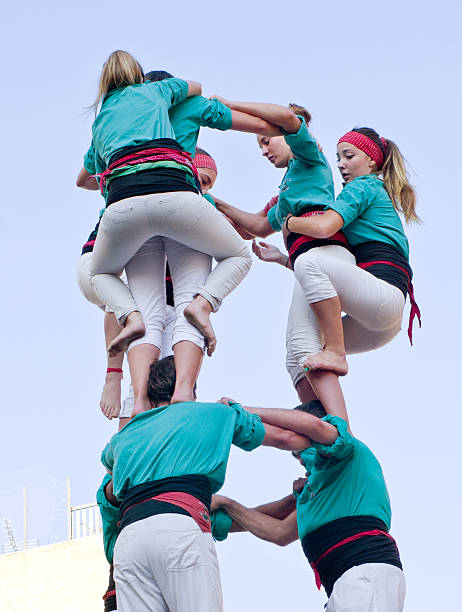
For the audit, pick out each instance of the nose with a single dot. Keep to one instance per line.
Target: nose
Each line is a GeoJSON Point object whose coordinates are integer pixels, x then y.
{"type": "Point", "coordinates": [340, 164]}
{"type": "Point", "coordinates": [264, 151]}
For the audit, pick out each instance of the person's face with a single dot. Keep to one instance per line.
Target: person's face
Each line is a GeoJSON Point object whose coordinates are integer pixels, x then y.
{"type": "Point", "coordinates": [207, 178]}
{"type": "Point", "coordinates": [275, 149]}
{"type": "Point", "coordinates": [353, 162]}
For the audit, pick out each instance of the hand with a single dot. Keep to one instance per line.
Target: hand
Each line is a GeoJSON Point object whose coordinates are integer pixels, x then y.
{"type": "Point", "coordinates": [218, 501]}
{"type": "Point", "coordinates": [227, 401]}
{"type": "Point", "coordinates": [299, 484]}
{"type": "Point", "coordinates": [222, 100]}
{"type": "Point", "coordinates": [268, 252]}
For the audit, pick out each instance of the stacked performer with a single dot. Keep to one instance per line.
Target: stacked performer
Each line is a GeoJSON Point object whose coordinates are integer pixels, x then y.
{"type": "Point", "coordinates": [148, 265]}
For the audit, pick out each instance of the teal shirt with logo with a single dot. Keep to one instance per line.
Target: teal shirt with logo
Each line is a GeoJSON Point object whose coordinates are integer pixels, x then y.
{"type": "Point", "coordinates": [368, 214]}
{"type": "Point", "coordinates": [184, 438]}
{"type": "Point", "coordinates": [344, 479]}
{"type": "Point", "coordinates": [307, 182]}
{"type": "Point", "coordinates": [133, 115]}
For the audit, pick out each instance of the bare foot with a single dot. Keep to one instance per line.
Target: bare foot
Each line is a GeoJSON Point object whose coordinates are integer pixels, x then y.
{"type": "Point", "coordinates": [198, 314]}
{"type": "Point", "coordinates": [110, 397]}
{"type": "Point", "coordinates": [327, 360]}
{"type": "Point", "coordinates": [141, 405]}
{"type": "Point", "coordinates": [133, 329]}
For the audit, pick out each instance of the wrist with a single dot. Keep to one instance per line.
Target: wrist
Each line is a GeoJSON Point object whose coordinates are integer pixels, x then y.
{"type": "Point", "coordinates": [288, 218]}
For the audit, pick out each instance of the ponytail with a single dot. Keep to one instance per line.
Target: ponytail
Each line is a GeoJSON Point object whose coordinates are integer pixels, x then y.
{"type": "Point", "coordinates": [396, 182]}
{"type": "Point", "coordinates": [301, 112]}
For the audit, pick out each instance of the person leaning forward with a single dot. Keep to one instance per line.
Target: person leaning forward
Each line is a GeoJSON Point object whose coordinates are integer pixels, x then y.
{"type": "Point", "coordinates": [342, 514]}
{"type": "Point", "coordinates": [165, 464]}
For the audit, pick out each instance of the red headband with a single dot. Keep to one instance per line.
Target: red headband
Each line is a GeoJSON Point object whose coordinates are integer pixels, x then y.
{"type": "Point", "coordinates": [367, 145]}
{"type": "Point", "coordinates": [205, 161]}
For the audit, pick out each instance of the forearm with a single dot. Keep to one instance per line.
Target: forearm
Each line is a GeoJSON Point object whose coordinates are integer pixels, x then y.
{"type": "Point", "coordinates": [284, 439]}
{"type": "Point", "coordinates": [244, 122]}
{"type": "Point", "coordinates": [194, 88]}
{"type": "Point", "coordinates": [265, 527]}
{"type": "Point", "coordinates": [86, 181]}
{"type": "Point", "coordinates": [256, 225]}
{"type": "Point", "coordinates": [317, 226]}
{"type": "Point", "coordinates": [279, 509]}
{"type": "Point", "coordinates": [275, 114]}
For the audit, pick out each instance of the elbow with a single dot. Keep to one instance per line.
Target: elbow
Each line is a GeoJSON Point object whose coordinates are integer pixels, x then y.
{"type": "Point", "coordinates": [289, 121]}
{"type": "Point", "coordinates": [281, 538]}
{"type": "Point", "coordinates": [323, 231]}
{"type": "Point", "coordinates": [287, 440]}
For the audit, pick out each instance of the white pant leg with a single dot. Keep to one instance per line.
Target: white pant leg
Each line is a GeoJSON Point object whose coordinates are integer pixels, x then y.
{"type": "Point", "coordinates": [373, 307]}
{"type": "Point", "coordinates": [183, 216]}
{"type": "Point", "coordinates": [167, 334]}
{"type": "Point", "coordinates": [83, 280]}
{"type": "Point", "coordinates": [166, 556]}
{"type": "Point", "coordinates": [146, 280]}
{"type": "Point", "coordinates": [189, 270]}
{"type": "Point", "coordinates": [372, 587]}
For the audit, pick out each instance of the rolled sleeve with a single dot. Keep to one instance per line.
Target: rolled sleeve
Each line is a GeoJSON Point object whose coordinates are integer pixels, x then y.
{"type": "Point", "coordinates": [304, 146]}
{"type": "Point", "coordinates": [107, 458]}
{"type": "Point", "coordinates": [249, 430]}
{"type": "Point", "coordinates": [221, 524]}
{"type": "Point", "coordinates": [89, 162]}
{"type": "Point", "coordinates": [351, 202]}
{"type": "Point", "coordinates": [216, 115]}
{"type": "Point", "coordinates": [273, 219]}
{"type": "Point", "coordinates": [344, 445]}
{"type": "Point", "coordinates": [173, 90]}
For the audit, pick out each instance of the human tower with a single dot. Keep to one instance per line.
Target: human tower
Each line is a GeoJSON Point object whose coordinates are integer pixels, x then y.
{"type": "Point", "coordinates": [148, 264]}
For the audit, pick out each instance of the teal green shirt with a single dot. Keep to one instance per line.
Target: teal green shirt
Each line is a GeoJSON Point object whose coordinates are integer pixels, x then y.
{"type": "Point", "coordinates": [210, 199]}
{"type": "Point", "coordinates": [368, 214]}
{"type": "Point", "coordinates": [184, 438]}
{"type": "Point", "coordinates": [344, 479]}
{"type": "Point", "coordinates": [188, 117]}
{"type": "Point", "coordinates": [308, 179]}
{"type": "Point", "coordinates": [220, 521]}
{"type": "Point", "coordinates": [133, 115]}
{"type": "Point", "coordinates": [109, 518]}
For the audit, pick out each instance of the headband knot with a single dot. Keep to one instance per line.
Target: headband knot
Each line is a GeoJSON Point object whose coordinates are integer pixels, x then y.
{"type": "Point", "coordinates": [367, 146]}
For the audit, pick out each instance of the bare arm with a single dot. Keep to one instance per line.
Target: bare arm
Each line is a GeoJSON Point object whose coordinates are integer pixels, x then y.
{"type": "Point", "coordinates": [255, 224]}
{"type": "Point", "coordinates": [270, 253]}
{"type": "Point", "coordinates": [279, 531]}
{"type": "Point", "coordinates": [244, 122]}
{"type": "Point", "coordinates": [86, 181]}
{"type": "Point", "coordinates": [194, 88]}
{"type": "Point", "coordinates": [278, 115]}
{"type": "Point", "coordinates": [279, 509]}
{"type": "Point", "coordinates": [282, 438]}
{"type": "Point", "coordinates": [318, 226]}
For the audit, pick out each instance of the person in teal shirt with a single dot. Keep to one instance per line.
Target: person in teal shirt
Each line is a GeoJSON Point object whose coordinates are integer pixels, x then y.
{"type": "Point", "coordinates": [340, 512]}
{"type": "Point", "coordinates": [165, 464]}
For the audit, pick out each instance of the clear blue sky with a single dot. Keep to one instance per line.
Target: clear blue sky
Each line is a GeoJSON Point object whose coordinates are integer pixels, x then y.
{"type": "Point", "coordinates": [395, 67]}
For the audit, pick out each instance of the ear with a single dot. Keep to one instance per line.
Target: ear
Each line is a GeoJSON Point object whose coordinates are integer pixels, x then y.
{"type": "Point", "coordinates": [372, 165]}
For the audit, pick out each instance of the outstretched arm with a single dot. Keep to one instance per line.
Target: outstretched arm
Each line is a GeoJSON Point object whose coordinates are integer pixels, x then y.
{"type": "Point", "coordinates": [244, 122]}
{"type": "Point", "coordinates": [279, 531]}
{"type": "Point", "coordinates": [279, 509]}
{"type": "Point", "coordinates": [280, 116]}
{"type": "Point", "coordinates": [318, 226]}
{"type": "Point", "coordinates": [255, 224]}
{"type": "Point", "coordinates": [269, 252]}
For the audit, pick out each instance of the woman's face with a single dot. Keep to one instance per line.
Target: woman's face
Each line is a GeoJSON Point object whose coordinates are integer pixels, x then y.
{"type": "Point", "coordinates": [207, 178]}
{"type": "Point", "coordinates": [275, 149]}
{"type": "Point", "coordinates": [353, 162]}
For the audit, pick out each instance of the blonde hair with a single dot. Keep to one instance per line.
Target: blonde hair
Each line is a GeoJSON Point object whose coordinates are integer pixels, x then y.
{"type": "Point", "coordinates": [396, 181]}
{"type": "Point", "coordinates": [120, 70]}
{"type": "Point", "coordinates": [301, 111]}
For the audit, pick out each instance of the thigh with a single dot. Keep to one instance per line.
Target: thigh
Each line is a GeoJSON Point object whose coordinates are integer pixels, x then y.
{"type": "Point", "coordinates": [360, 339]}
{"type": "Point", "coordinates": [83, 280]}
{"type": "Point", "coordinates": [192, 221]}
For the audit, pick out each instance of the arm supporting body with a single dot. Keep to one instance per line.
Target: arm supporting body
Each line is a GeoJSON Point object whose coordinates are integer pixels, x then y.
{"type": "Point", "coordinates": [273, 113]}
{"type": "Point", "coordinates": [86, 181]}
{"type": "Point", "coordinates": [318, 226]}
{"type": "Point", "coordinates": [254, 224]}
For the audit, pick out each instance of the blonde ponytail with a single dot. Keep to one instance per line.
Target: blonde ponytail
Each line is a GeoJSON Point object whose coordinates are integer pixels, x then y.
{"type": "Point", "coordinates": [396, 182]}
{"type": "Point", "coordinates": [120, 70]}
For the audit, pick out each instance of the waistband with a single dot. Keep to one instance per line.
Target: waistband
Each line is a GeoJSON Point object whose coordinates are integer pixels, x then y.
{"type": "Point", "coordinates": [341, 544]}
{"type": "Point", "coordinates": [299, 243]}
{"type": "Point", "coordinates": [190, 494]}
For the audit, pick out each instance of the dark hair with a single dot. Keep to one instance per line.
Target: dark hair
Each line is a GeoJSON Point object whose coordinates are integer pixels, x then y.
{"type": "Point", "coordinates": [161, 381]}
{"type": "Point", "coordinates": [157, 75]}
{"type": "Point", "coordinates": [200, 151]}
{"type": "Point", "coordinates": [315, 408]}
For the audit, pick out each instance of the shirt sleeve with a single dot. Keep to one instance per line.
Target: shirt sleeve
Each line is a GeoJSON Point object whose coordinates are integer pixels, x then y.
{"type": "Point", "coordinates": [89, 162]}
{"type": "Point", "coordinates": [173, 90]}
{"type": "Point", "coordinates": [271, 203]}
{"type": "Point", "coordinates": [109, 519]}
{"type": "Point", "coordinates": [107, 457]}
{"type": "Point", "coordinates": [273, 220]}
{"type": "Point", "coordinates": [351, 202]}
{"type": "Point", "coordinates": [215, 114]}
{"type": "Point", "coordinates": [249, 430]}
{"type": "Point", "coordinates": [304, 146]}
{"type": "Point", "coordinates": [344, 446]}
{"type": "Point", "coordinates": [221, 524]}
{"type": "Point", "coordinates": [210, 199]}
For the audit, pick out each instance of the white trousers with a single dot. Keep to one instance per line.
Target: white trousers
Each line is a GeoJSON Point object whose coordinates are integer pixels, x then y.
{"type": "Point", "coordinates": [166, 350]}
{"type": "Point", "coordinates": [146, 279]}
{"type": "Point", "coordinates": [184, 217]}
{"type": "Point", "coordinates": [373, 308]}
{"type": "Point", "coordinates": [372, 587]}
{"type": "Point", "coordinates": [83, 281]}
{"type": "Point", "coordinates": [165, 563]}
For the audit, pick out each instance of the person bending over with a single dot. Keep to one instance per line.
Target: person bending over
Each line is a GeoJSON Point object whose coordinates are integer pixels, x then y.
{"type": "Point", "coordinates": [342, 514]}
